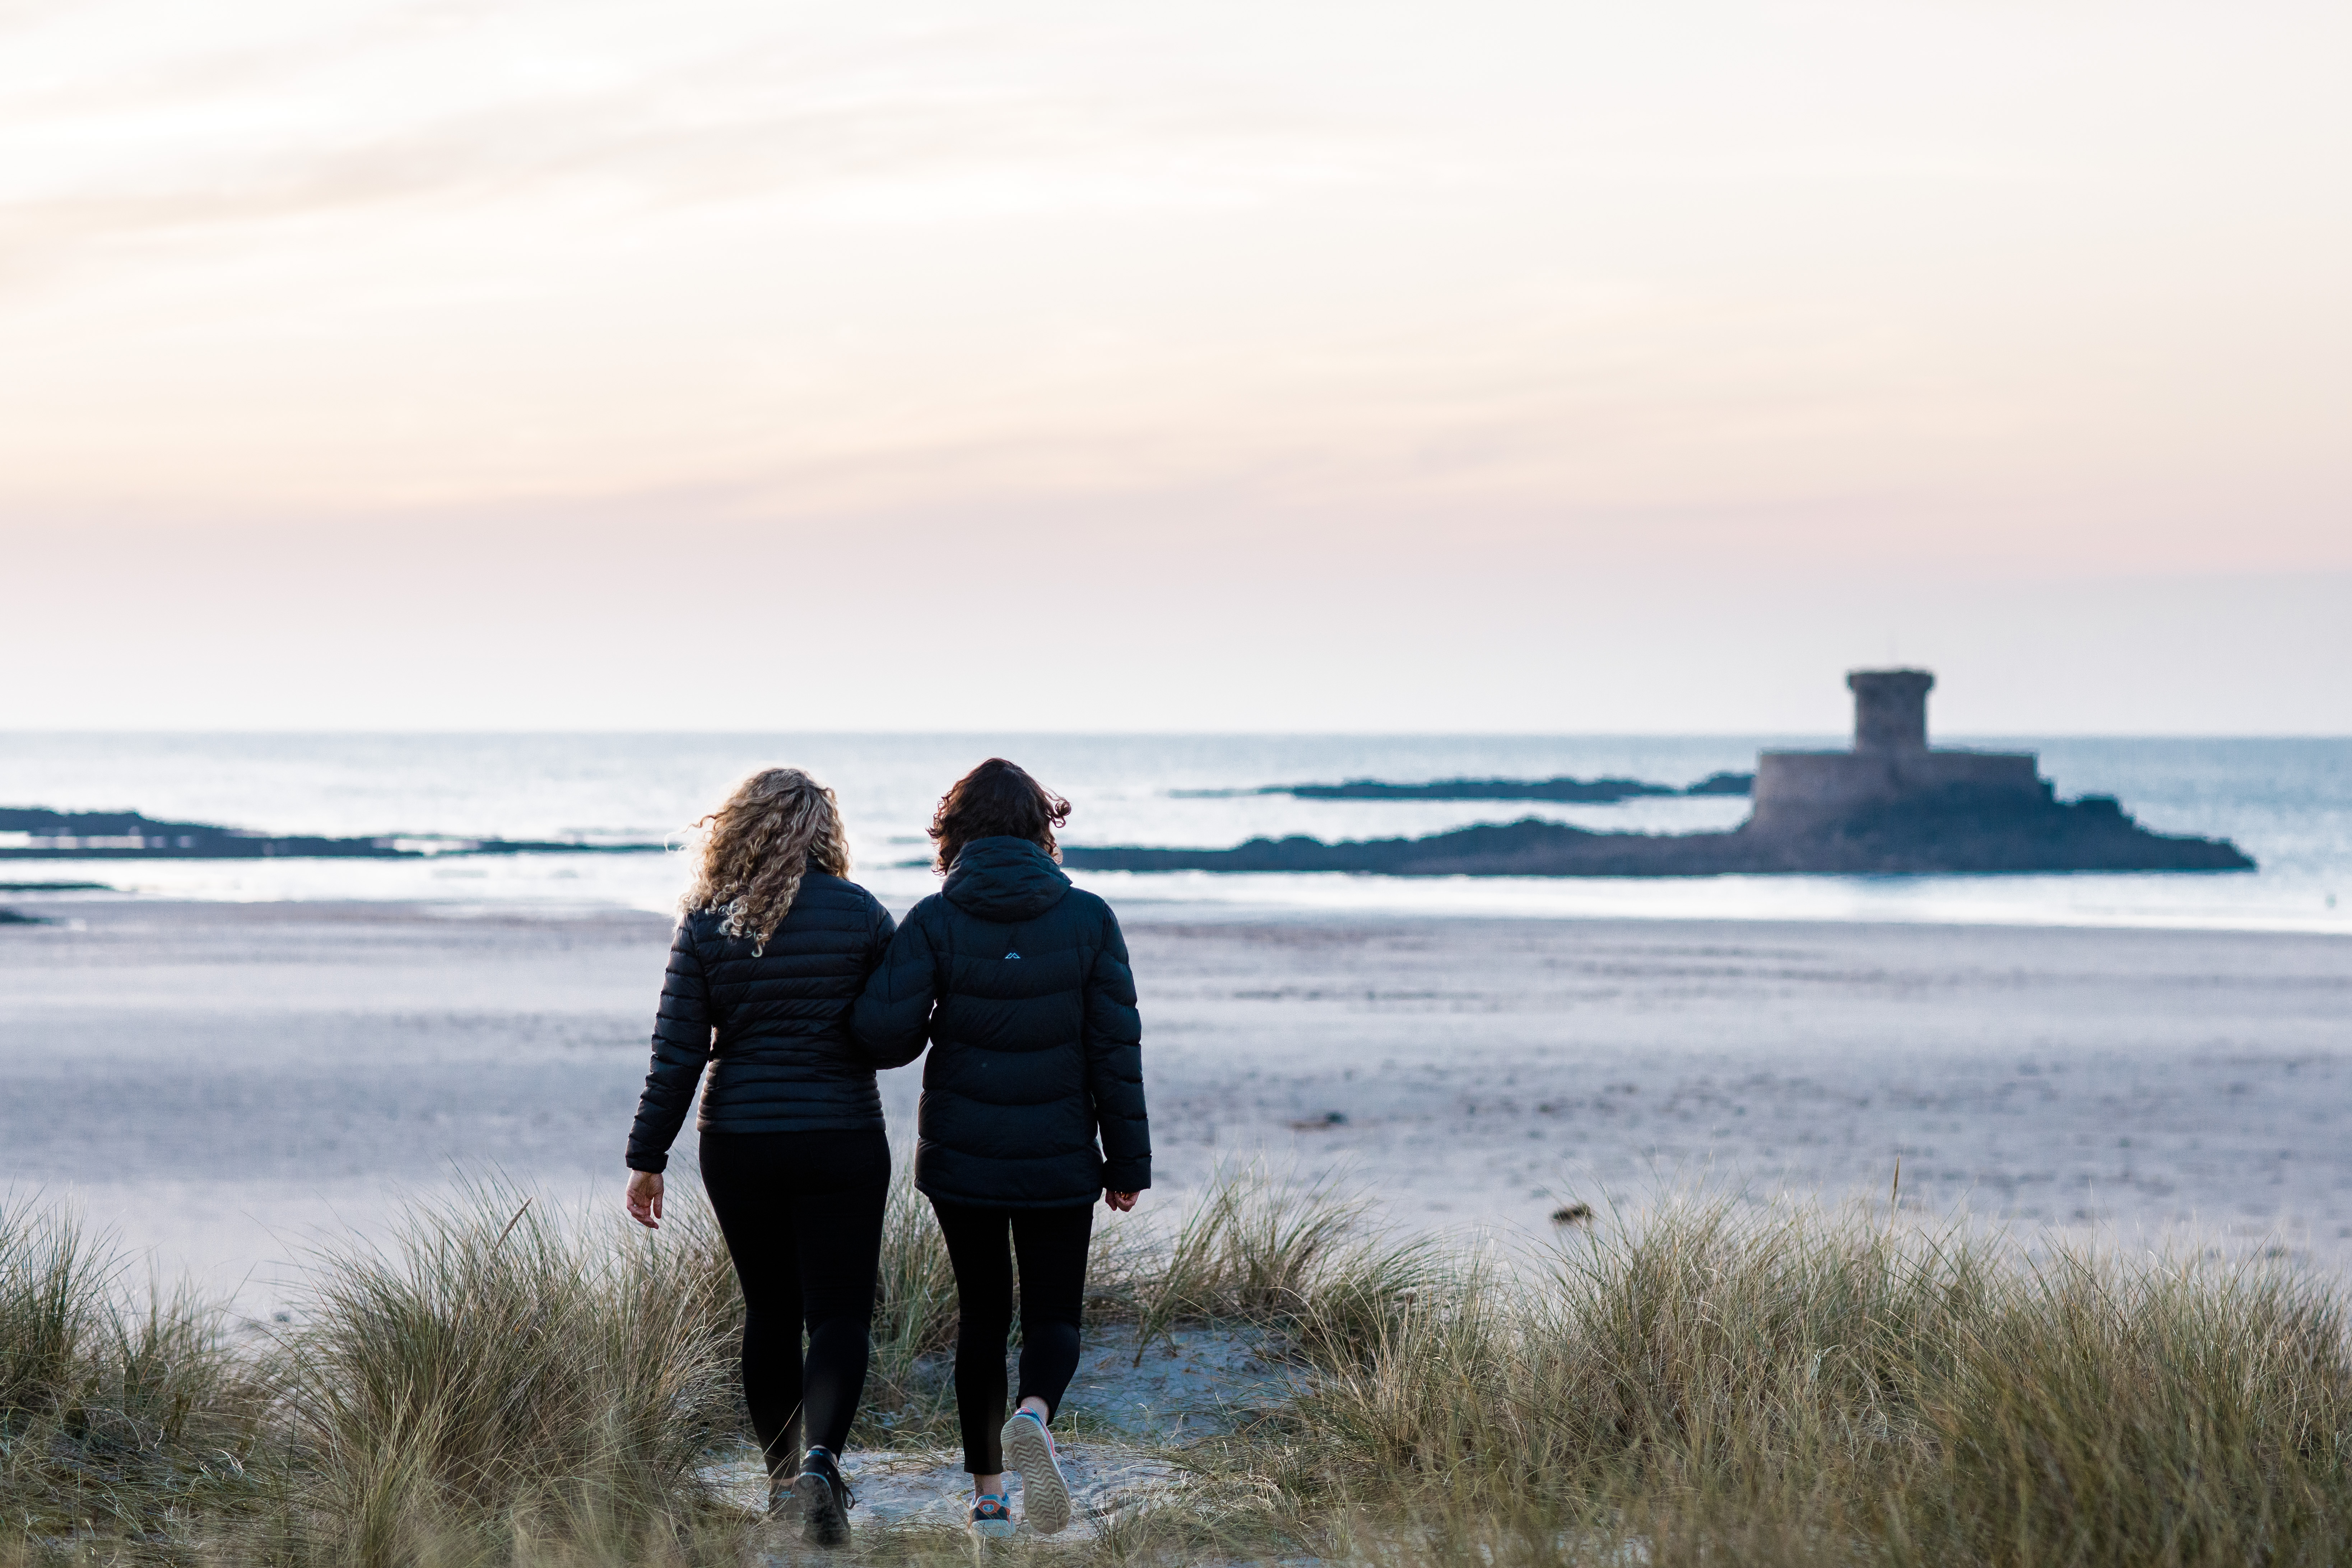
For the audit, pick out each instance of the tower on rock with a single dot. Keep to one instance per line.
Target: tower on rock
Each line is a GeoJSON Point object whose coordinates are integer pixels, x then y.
{"type": "Point", "coordinates": [1798, 792]}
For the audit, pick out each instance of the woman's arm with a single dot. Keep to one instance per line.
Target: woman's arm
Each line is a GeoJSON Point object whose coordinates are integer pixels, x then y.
{"type": "Point", "coordinates": [1115, 1066]}
{"type": "Point", "coordinates": [682, 1047]}
{"type": "Point", "coordinates": [879, 928]}
{"type": "Point", "coordinates": [891, 1020]}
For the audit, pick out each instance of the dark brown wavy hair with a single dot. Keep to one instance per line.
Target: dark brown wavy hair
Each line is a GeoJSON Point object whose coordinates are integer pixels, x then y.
{"type": "Point", "coordinates": [997, 800]}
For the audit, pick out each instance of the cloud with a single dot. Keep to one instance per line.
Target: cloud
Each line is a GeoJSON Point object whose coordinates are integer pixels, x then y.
{"type": "Point", "coordinates": [1832, 283]}
{"type": "Point", "coordinates": [385, 111]}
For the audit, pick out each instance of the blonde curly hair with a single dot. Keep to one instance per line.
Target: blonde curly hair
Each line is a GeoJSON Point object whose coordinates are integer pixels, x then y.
{"type": "Point", "coordinates": [778, 826]}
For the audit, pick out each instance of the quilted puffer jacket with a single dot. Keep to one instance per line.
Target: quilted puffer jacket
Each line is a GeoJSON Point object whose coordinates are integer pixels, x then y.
{"type": "Point", "coordinates": [1019, 984]}
{"type": "Point", "coordinates": [777, 1023]}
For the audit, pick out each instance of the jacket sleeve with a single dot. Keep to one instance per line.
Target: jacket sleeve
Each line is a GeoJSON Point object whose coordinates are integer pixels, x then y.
{"type": "Point", "coordinates": [682, 1047]}
{"type": "Point", "coordinates": [879, 930]}
{"type": "Point", "coordinates": [891, 1019]}
{"type": "Point", "coordinates": [1115, 1064]}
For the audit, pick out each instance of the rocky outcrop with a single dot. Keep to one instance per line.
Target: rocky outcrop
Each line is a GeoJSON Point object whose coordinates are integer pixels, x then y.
{"type": "Point", "coordinates": [1585, 791]}
{"type": "Point", "coordinates": [1891, 805]}
{"type": "Point", "coordinates": [1956, 832]}
{"type": "Point", "coordinates": [30, 833]}
{"type": "Point", "coordinates": [1724, 783]}
{"type": "Point", "coordinates": [1598, 792]}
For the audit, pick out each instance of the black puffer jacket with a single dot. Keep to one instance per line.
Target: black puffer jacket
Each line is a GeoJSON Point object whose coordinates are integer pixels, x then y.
{"type": "Point", "coordinates": [1021, 984]}
{"type": "Point", "coordinates": [780, 1018]}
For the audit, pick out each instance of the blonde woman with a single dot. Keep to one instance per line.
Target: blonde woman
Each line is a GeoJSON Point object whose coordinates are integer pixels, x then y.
{"type": "Point", "coordinates": [773, 947]}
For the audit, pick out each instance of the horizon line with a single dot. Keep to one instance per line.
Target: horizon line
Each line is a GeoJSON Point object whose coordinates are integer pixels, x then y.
{"type": "Point", "coordinates": [356, 733]}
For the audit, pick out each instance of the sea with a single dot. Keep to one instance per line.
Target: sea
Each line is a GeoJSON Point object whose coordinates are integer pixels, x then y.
{"type": "Point", "coordinates": [2287, 802]}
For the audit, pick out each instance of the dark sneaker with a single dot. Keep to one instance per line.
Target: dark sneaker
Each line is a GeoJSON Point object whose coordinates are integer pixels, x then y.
{"type": "Point", "coordinates": [1045, 1494]}
{"type": "Point", "coordinates": [826, 1500]}
{"type": "Point", "coordinates": [784, 1502]}
{"type": "Point", "coordinates": [992, 1517]}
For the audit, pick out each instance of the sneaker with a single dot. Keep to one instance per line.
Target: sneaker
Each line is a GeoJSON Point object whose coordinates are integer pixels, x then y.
{"type": "Point", "coordinates": [991, 1516]}
{"type": "Point", "coordinates": [784, 1502]}
{"type": "Point", "coordinates": [826, 1500]}
{"type": "Point", "coordinates": [1045, 1494]}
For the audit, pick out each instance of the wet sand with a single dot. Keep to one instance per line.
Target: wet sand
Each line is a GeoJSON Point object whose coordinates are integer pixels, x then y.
{"type": "Point", "coordinates": [223, 1085]}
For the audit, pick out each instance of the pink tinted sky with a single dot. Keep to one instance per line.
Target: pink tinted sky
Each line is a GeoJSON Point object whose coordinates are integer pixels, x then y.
{"type": "Point", "coordinates": [510, 362]}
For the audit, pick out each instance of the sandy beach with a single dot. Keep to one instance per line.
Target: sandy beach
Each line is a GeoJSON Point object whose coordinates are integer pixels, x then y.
{"type": "Point", "coordinates": [225, 1085]}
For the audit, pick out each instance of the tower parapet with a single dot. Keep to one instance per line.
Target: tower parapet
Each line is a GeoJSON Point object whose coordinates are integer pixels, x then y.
{"type": "Point", "coordinates": [1890, 708]}
{"type": "Point", "coordinates": [1891, 762]}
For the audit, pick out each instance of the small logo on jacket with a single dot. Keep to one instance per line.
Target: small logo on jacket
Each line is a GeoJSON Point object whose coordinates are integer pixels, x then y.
{"type": "Point", "coordinates": [1010, 956]}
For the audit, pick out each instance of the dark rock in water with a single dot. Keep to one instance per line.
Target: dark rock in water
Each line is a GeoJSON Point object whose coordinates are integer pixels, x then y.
{"type": "Point", "coordinates": [15, 918]}
{"type": "Point", "coordinates": [1724, 783]}
{"type": "Point", "coordinates": [31, 834]}
{"type": "Point", "coordinates": [1598, 792]}
{"type": "Point", "coordinates": [1950, 833]}
{"type": "Point", "coordinates": [28, 833]}
{"type": "Point", "coordinates": [1580, 791]}
{"type": "Point", "coordinates": [1889, 805]}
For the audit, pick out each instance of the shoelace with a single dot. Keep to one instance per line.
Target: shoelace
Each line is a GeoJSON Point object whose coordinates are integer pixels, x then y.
{"type": "Point", "coordinates": [833, 1470]}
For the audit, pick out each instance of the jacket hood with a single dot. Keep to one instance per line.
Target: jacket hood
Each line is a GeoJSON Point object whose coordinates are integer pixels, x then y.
{"type": "Point", "coordinates": [1005, 880]}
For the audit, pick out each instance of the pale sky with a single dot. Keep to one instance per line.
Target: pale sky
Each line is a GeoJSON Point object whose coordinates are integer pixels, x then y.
{"type": "Point", "coordinates": [1296, 366]}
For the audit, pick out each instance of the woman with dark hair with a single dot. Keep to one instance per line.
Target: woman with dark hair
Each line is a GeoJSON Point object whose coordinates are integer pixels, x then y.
{"type": "Point", "coordinates": [772, 946]}
{"type": "Point", "coordinates": [1019, 984]}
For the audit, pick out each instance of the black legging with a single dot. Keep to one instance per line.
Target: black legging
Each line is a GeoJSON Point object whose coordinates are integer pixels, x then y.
{"type": "Point", "coordinates": [1052, 1244]}
{"type": "Point", "coordinates": [802, 1213]}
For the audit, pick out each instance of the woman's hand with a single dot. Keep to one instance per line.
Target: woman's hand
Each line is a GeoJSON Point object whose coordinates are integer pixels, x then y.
{"type": "Point", "coordinates": [646, 1198]}
{"type": "Point", "coordinates": [1120, 1203]}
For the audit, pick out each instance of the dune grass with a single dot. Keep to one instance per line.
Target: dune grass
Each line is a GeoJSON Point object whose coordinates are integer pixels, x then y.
{"type": "Point", "coordinates": [1810, 1389]}
{"type": "Point", "coordinates": [1699, 1382]}
{"type": "Point", "coordinates": [1254, 1247]}
{"type": "Point", "coordinates": [480, 1367]}
{"type": "Point", "coordinates": [120, 1411]}
{"type": "Point", "coordinates": [908, 1397]}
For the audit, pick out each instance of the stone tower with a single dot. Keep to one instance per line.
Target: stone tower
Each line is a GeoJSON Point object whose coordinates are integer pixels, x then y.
{"type": "Point", "coordinates": [1890, 708]}
{"type": "Point", "coordinates": [1891, 763]}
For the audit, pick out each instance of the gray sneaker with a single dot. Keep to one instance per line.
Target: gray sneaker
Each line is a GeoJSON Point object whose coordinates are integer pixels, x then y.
{"type": "Point", "coordinates": [1044, 1493]}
